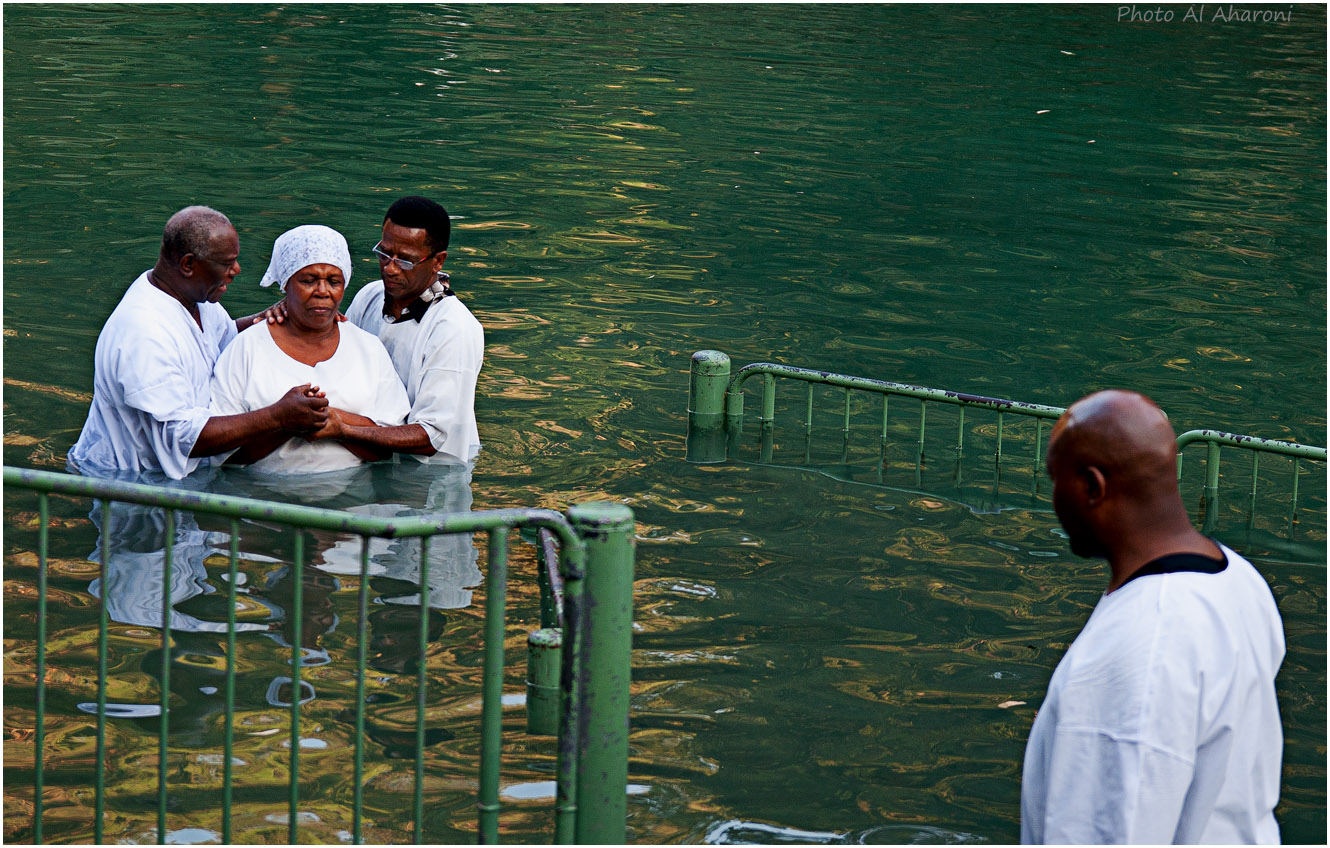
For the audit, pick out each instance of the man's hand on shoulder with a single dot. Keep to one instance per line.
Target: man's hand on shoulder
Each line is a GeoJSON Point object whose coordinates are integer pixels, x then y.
{"type": "Point", "coordinates": [275, 314]}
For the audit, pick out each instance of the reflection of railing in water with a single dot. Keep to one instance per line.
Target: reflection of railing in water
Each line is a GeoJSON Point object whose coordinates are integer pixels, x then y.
{"type": "Point", "coordinates": [716, 420]}
{"type": "Point", "coordinates": [594, 567]}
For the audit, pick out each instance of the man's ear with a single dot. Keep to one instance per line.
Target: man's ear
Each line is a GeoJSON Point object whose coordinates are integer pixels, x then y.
{"type": "Point", "coordinates": [438, 260]}
{"type": "Point", "coordinates": [1095, 484]}
{"type": "Point", "coordinates": [187, 264]}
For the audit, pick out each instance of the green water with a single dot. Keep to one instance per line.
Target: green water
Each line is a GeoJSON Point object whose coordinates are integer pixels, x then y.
{"type": "Point", "coordinates": [1025, 202]}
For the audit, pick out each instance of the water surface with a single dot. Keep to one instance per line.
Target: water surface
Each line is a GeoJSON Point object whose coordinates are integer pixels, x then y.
{"type": "Point", "coordinates": [1017, 201]}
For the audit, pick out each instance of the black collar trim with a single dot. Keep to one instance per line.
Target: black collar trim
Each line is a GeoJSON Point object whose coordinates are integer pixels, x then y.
{"type": "Point", "coordinates": [415, 310]}
{"type": "Point", "coordinates": [1174, 563]}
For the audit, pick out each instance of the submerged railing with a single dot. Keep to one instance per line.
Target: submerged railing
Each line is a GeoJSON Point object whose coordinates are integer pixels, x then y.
{"type": "Point", "coordinates": [586, 565]}
{"type": "Point", "coordinates": [716, 422]}
{"type": "Point", "coordinates": [1214, 440]}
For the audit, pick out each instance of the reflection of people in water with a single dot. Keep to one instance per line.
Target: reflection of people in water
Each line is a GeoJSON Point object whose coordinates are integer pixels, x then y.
{"type": "Point", "coordinates": [394, 564]}
{"type": "Point", "coordinates": [135, 582]}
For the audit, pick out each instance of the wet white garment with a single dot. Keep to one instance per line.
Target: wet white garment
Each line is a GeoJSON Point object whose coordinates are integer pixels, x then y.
{"type": "Point", "coordinates": [439, 359]}
{"type": "Point", "coordinates": [1160, 724]}
{"type": "Point", "coordinates": [254, 372]}
{"type": "Point", "coordinates": [151, 387]}
{"type": "Point", "coordinates": [310, 244]}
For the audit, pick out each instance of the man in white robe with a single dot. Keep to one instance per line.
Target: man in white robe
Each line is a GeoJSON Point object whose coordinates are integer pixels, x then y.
{"type": "Point", "coordinates": [436, 344]}
{"type": "Point", "coordinates": [1161, 723]}
{"type": "Point", "coordinates": [154, 359]}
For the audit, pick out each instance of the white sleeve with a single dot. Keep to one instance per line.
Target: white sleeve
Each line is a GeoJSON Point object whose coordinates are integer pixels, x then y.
{"type": "Point", "coordinates": [446, 385]}
{"type": "Point", "coordinates": [153, 381]}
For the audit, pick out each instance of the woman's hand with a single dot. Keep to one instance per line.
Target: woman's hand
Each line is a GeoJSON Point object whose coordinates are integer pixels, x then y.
{"type": "Point", "coordinates": [340, 426]}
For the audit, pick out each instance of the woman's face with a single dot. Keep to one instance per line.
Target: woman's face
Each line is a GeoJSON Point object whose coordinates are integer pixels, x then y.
{"type": "Point", "coordinates": [313, 295]}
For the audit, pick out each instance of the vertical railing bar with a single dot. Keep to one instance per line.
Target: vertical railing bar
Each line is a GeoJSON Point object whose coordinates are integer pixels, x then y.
{"type": "Point", "coordinates": [573, 564]}
{"type": "Point", "coordinates": [768, 398]}
{"type": "Point", "coordinates": [885, 399]}
{"type": "Point", "coordinates": [808, 410]}
{"type": "Point", "coordinates": [362, 653]}
{"type": "Point", "coordinates": [960, 435]}
{"type": "Point", "coordinates": [297, 637]}
{"type": "Point", "coordinates": [422, 646]}
{"type": "Point", "coordinates": [999, 437]}
{"type": "Point", "coordinates": [491, 719]}
{"type": "Point", "coordinates": [1251, 507]}
{"type": "Point", "coordinates": [165, 718]}
{"type": "Point", "coordinates": [1212, 466]}
{"type": "Point", "coordinates": [39, 733]}
{"type": "Point", "coordinates": [845, 427]}
{"type": "Point", "coordinates": [103, 625]}
{"type": "Point", "coordinates": [923, 413]}
{"type": "Point", "coordinates": [1038, 444]}
{"type": "Point", "coordinates": [228, 745]}
{"type": "Point", "coordinates": [1293, 505]}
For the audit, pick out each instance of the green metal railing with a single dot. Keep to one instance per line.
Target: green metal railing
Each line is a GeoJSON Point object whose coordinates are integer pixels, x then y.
{"type": "Point", "coordinates": [716, 406]}
{"type": "Point", "coordinates": [592, 568]}
{"type": "Point", "coordinates": [1214, 440]}
{"type": "Point", "coordinates": [716, 420]}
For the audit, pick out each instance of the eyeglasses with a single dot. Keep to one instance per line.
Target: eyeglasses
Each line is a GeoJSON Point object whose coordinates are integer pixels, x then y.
{"type": "Point", "coordinates": [404, 264]}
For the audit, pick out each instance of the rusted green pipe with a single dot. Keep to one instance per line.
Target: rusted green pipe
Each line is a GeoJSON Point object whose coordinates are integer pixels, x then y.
{"type": "Point", "coordinates": [708, 377]}
{"type": "Point", "coordinates": [544, 656]}
{"type": "Point", "coordinates": [607, 529]}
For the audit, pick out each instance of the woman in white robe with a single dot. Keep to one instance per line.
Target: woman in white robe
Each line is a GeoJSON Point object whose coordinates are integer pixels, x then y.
{"type": "Point", "coordinates": [339, 360]}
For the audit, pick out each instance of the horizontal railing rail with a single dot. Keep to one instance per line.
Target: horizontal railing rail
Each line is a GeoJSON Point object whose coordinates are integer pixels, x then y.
{"type": "Point", "coordinates": [588, 553]}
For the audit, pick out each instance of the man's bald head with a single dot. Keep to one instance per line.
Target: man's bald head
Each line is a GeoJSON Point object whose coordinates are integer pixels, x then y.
{"type": "Point", "coordinates": [1122, 433]}
{"type": "Point", "coordinates": [1112, 457]}
{"type": "Point", "coordinates": [193, 230]}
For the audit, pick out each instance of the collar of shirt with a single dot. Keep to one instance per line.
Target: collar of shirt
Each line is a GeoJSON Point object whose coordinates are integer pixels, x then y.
{"type": "Point", "coordinates": [415, 310]}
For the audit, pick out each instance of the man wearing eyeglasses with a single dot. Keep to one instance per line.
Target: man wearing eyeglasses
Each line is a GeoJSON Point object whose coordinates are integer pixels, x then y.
{"type": "Point", "coordinates": [436, 344]}
{"type": "Point", "coordinates": [150, 405]}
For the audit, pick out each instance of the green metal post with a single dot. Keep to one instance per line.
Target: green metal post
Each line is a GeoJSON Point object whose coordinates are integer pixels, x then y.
{"type": "Point", "coordinates": [734, 419]}
{"type": "Point", "coordinates": [544, 657]}
{"type": "Point", "coordinates": [491, 709]}
{"type": "Point", "coordinates": [768, 417]}
{"type": "Point", "coordinates": [845, 431]}
{"type": "Point", "coordinates": [960, 430]}
{"type": "Point", "coordinates": [297, 622]}
{"type": "Point", "coordinates": [103, 628]}
{"type": "Point", "coordinates": [548, 616]}
{"type": "Point", "coordinates": [999, 437]}
{"type": "Point", "coordinates": [422, 648]}
{"type": "Point", "coordinates": [228, 745]}
{"type": "Point", "coordinates": [607, 529]}
{"type": "Point", "coordinates": [362, 657]}
{"type": "Point", "coordinates": [1293, 504]}
{"type": "Point", "coordinates": [39, 734]}
{"type": "Point", "coordinates": [572, 567]}
{"type": "Point", "coordinates": [708, 378]}
{"type": "Point", "coordinates": [1038, 445]}
{"type": "Point", "coordinates": [163, 724]}
{"type": "Point", "coordinates": [1211, 467]}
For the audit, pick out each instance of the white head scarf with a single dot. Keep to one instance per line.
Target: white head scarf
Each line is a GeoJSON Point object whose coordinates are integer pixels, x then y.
{"type": "Point", "coordinates": [311, 244]}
